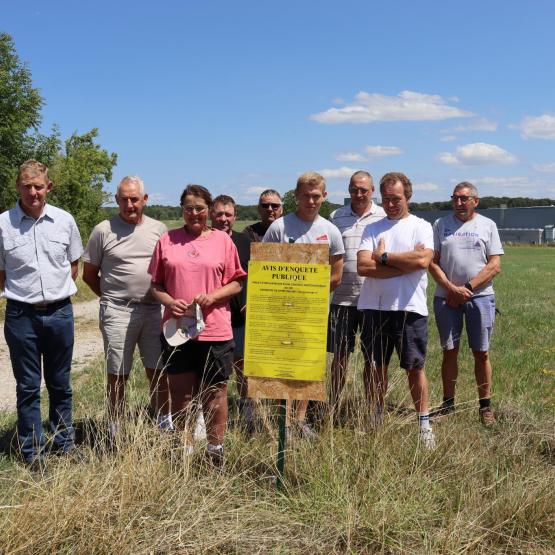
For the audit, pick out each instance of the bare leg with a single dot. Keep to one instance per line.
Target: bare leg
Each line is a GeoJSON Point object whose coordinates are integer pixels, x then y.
{"type": "Point", "coordinates": [449, 371]}
{"type": "Point", "coordinates": [183, 388]}
{"type": "Point", "coordinates": [418, 384]}
{"type": "Point", "coordinates": [375, 385]}
{"type": "Point", "coordinates": [159, 394]}
{"type": "Point", "coordinates": [483, 373]}
{"type": "Point", "coordinates": [214, 406]}
{"type": "Point", "coordinates": [301, 408]}
{"type": "Point", "coordinates": [115, 391]}
{"type": "Point", "coordinates": [338, 374]}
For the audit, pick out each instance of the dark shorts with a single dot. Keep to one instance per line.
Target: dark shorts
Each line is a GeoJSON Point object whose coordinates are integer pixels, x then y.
{"type": "Point", "coordinates": [212, 361]}
{"type": "Point", "coordinates": [406, 332]}
{"type": "Point", "coordinates": [343, 324]}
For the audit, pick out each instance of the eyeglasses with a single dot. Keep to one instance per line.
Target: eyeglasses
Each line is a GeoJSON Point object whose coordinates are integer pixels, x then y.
{"type": "Point", "coordinates": [392, 200]}
{"type": "Point", "coordinates": [359, 191]}
{"type": "Point", "coordinates": [194, 209]}
{"type": "Point", "coordinates": [272, 205]}
{"type": "Point", "coordinates": [463, 198]}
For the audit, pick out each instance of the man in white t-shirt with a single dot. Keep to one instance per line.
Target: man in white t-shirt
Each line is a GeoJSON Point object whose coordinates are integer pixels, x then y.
{"type": "Point", "coordinates": [307, 226]}
{"type": "Point", "coordinates": [345, 318]}
{"type": "Point", "coordinates": [467, 256]}
{"type": "Point", "coordinates": [394, 256]}
{"type": "Point", "coordinates": [116, 259]}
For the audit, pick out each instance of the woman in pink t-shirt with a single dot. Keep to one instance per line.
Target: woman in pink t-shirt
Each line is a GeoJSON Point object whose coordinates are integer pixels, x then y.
{"type": "Point", "coordinates": [198, 264]}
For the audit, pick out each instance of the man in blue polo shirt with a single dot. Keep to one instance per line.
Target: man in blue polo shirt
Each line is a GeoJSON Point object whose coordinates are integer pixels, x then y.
{"type": "Point", "coordinates": [40, 246]}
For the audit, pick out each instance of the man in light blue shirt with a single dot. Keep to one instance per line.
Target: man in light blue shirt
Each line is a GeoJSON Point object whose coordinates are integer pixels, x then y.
{"type": "Point", "coordinates": [40, 246]}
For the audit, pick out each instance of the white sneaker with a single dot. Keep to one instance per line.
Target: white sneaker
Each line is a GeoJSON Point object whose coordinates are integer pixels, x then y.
{"type": "Point", "coordinates": [114, 429]}
{"type": "Point", "coordinates": [428, 439]}
{"type": "Point", "coordinates": [200, 428]}
{"type": "Point", "coordinates": [165, 422]}
{"type": "Point", "coordinates": [375, 419]}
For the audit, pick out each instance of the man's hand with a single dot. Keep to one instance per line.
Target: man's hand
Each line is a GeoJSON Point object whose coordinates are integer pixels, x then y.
{"type": "Point", "coordinates": [178, 307]}
{"type": "Point", "coordinates": [378, 251]}
{"type": "Point", "coordinates": [457, 295]}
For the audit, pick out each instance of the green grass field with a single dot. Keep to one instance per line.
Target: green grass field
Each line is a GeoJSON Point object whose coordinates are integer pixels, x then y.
{"type": "Point", "coordinates": [350, 491]}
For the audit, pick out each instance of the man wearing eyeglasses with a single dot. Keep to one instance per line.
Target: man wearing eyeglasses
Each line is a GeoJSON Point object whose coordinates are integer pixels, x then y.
{"type": "Point", "coordinates": [269, 210]}
{"type": "Point", "coordinates": [115, 268]}
{"type": "Point", "coordinates": [467, 256]}
{"type": "Point", "coordinates": [394, 256]}
{"type": "Point", "coordinates": [345, 318]}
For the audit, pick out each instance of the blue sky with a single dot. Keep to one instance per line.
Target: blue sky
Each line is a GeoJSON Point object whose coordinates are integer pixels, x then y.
{"type": "Point", "coordinates": [242, 96]}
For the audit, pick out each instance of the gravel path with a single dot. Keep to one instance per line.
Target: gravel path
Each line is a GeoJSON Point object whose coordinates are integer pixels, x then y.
{"type": "Point", "coordinates": [88, 345]}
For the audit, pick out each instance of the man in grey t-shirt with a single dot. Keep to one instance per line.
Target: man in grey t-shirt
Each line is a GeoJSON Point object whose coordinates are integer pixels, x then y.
{"type": "Point", "coordinates": [307, 226]}
{"type": "Point", "coordinates": [467, 256]}
{"type": "Point", "coordinates": [116, 261]}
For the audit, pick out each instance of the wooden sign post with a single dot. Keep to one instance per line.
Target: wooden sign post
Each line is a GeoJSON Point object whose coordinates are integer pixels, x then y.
{"type": "Point", "coordinates": [286, 328]}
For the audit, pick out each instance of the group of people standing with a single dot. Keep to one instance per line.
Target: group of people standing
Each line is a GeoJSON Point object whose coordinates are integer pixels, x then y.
{"type": "Point", "coordinates": [379, 258]}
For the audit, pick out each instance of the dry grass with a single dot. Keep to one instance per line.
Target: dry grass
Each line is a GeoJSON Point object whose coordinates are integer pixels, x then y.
{"type": "Point", "coordinates": [351, 491]}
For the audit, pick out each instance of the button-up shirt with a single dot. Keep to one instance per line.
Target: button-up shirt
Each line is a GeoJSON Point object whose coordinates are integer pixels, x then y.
{"type": "Point", "coordinates": [36, 255]}
{"type": "Point", "coordinates": [351, 226]}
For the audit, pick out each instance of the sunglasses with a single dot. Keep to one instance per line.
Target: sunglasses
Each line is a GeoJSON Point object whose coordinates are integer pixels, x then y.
{"type": "Point", "coordinates": [272, 205]}
{"type": "Point", "coordinates": [463, 198]}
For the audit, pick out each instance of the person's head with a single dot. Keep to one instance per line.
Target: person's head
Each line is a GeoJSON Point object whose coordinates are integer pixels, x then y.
{"type": "Point", "coordinates": [131, 199]}
{"type": "Point", "coordinates": [270, 207]}
{"type": "Point", "coordinates": [310, 193]}
{"type": "Point", "coordinates": [361, 188]}
{"type": "Point", "coordinates": [33, 184]}
{"type": "Point", "coordinates": [465, 200]}
{"type": "Point", "coordinates": [195, 202]}
{"type": "Point", "coordinates": [222, 213]}
{"type": "Point", "coordinates": [396, 191]}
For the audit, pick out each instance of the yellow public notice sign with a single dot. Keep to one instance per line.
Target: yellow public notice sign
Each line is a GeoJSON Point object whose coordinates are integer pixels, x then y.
{"type": "Point", "coordinates": [287, 315]}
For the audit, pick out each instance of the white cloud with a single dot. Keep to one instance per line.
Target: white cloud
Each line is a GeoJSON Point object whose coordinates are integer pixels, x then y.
{"type": "Point", "coordinates": [481, 124]}
{"type": "Point", "coordinates": [541, 127]}
{"type": "Point", "coordinates": [477, 154]}
{"type": "Point", "coordinates": [511, 186]}
{"type": "Point", "coordinates": [337, 196]}
{"type": "Point", "coordinates": [547, 168]}
{"type": "Point", "coordinates": [382, 151]}
{"type": "Point", "coordinates": [426, 187]}
{"type": "Point", "coordinates": [337, 173]}
{"type": "Point", "coordinates": [406, 106]}
{"type": "Point", "coordinates": [350, 157]}
{"type": "Point", "coordinates": [504, 182]}
{"type": "Point", "coordinates": [448, 138]}
{"type": "Point", "coordinates": [157, 198]}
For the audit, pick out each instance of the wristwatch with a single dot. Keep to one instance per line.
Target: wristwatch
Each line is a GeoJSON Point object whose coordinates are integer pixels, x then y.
{"type": "Point", "coordinates": [383, 259]}
{"type": "Point", "coordinates": [469, 287]}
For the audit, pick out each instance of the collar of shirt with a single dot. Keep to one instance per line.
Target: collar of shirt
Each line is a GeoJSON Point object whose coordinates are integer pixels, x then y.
{"type": "Point", "coordinates": [370, 211]}
{"type": "Point", "coordinates": [46, 212]}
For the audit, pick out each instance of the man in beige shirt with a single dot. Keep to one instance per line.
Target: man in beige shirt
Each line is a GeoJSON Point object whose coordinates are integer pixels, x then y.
{"type": "Point", "coordinates": [116, 261]}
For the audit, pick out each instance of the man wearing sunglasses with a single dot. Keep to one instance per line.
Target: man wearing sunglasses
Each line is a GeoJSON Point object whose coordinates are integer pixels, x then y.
{"type": "Point", "coordinates": [269, 210]}
{"type": "Point", "coordinates": [345, 318]}
{"type": "Point", "coordinates": [467, 256]}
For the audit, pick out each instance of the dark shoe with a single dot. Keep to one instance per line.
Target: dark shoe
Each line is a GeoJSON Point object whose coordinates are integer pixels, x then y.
{"type": "Point", "coordinates": [487, 417]}
{"type": "Point", "coordinates": [216, 457]}
{"type": "Point", "coordinates": [307, 431]}
{"type": "Point", "coordinates": [37, 465]}
{"type": "Point", "coordinates": [443, 410]}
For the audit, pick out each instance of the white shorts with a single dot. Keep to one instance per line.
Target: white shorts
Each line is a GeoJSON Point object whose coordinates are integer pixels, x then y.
{"type": "Point", "coordinates": [125, 326]}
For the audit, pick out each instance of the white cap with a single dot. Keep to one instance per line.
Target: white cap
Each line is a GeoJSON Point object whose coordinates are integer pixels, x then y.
{"type": "Point", "coordinates": [179, 330]}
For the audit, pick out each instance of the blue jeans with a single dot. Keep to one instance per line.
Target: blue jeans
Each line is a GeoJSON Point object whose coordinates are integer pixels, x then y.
{"type": "Point", "coordinates": [34, 335]}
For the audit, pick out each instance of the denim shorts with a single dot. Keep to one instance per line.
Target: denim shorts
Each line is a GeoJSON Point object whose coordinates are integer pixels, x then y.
{"type": "Point", "coordinates": [212, 361]}
{"type": "Point", "coordinates": [385, 330]}
{"type": "Point", "coordinates": [125, 326]}
{"type": "Point", "coordinates": [479, 316]}
{"type": "Point", "coordinates": [343, 324]}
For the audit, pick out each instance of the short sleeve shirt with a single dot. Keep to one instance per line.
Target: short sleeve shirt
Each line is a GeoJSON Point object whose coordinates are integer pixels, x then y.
{"type": "Point", "coordinates": [36, 255]}
{"type": "Point", "coordinates": [464, 248]}
{"type": "Point", "coordinates": [351, 226]}
{"type": "Point", "coordinates": [122, 251]}
{"type": "Point", "coordinates": [405, 292]}
{"type": "Point", "coordinates": [291, 229]}
{"type": "Point", "coordinates": [188, 266]}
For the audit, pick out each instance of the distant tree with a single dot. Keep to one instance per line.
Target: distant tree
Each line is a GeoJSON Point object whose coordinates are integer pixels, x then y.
{"type": "Point", "coordinates": [79, 174]}
{"type": "Point", "coordinates": [20, 105]}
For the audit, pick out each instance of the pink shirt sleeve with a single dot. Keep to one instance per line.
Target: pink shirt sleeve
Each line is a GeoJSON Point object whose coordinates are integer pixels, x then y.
{"type": "Point", "coordinates": [156, 266]}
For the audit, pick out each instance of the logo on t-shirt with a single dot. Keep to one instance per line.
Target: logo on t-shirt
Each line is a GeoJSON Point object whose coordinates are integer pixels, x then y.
{"type": "Point", "coordinates": [322, 238]}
